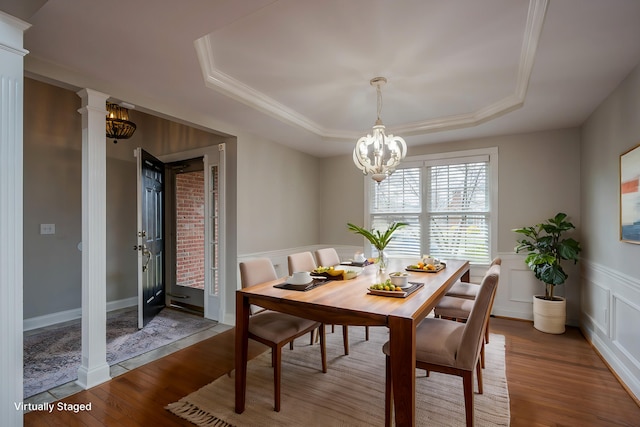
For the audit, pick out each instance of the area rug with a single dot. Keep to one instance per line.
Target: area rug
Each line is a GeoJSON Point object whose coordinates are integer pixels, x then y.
{"type": "Point", "coordinates": [351, 393]}
{"type": "Point", "coordinates": [52, 357]}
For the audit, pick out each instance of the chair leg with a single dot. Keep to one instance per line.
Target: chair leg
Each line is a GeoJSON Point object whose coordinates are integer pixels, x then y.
{"type": "Point", "coordinates": [345, 338]}
{"type": "Point", "coordinates": [467, 382]}
{"type": "Point", "coordinates": [479, 375]}
{"type": "Point", "coordinates": [366, 333]}
{"type": "Point", "coordinates": [276, 377]}
{"type": "Point", "coordinates": [388, 408]}
{"type": "Point", "coordinates": [486, 332]}
{"type": "Point", "coordinates": [482, 355]}
{"type": "Point", "coordinates": [323, 348]}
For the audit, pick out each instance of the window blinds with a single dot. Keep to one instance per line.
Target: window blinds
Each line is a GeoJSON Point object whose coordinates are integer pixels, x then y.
{"type": "Point", "coordinates": [445, 203]}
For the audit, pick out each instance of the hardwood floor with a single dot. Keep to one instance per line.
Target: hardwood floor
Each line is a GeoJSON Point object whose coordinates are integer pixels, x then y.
{"type": "Point", "coordinates": [554, 380]}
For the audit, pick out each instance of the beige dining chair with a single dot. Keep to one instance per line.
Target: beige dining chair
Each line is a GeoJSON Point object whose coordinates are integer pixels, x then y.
{"type": "Point", "coordinates": [452, 347]}
{"type": "Point", "coordinates": [276, 329]}
{"type": "Point", "coordinates": [303, 261]}
{"type": "Point", "coordinates": [328, 257]}
{"type": "Point", "coordinates": [468, 290]}
{"type": "Point", "coordinates": [459, 309]}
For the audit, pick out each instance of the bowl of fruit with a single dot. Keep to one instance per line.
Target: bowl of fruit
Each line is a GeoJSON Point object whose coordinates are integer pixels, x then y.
{"type": "Point", "coordinates": [386, 286]}
{"type": "Point", "coordinates": [330, 273]}
{"type": "Point", "coordinates": [399, 279]}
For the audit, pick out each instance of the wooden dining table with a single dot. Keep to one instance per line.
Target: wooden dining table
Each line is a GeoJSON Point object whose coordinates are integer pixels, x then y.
{"type": "Point", "coordinates": [347, 302]}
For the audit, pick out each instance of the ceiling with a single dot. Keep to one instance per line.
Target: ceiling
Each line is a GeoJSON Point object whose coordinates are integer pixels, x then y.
{"type": "Point", "coordinates": [298, 71]}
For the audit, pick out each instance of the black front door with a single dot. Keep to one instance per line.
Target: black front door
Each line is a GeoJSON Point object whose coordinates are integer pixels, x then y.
{"type": "Point", "coordinates": [151, 283]}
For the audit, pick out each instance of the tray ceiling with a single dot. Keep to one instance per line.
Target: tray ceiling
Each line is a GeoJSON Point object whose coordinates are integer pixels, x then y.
{"type": "Point", "coordinates": [298, 71]}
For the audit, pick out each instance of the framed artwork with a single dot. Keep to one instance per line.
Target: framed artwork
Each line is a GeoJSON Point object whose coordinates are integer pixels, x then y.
{"type": "Point", "coordinates": [630, 196]}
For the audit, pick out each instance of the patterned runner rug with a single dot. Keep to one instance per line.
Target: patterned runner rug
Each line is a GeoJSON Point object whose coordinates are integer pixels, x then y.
{"type": "Point", "coordinates": [52, 356]}
{"type": "Point", "coordinates": [351, 393]}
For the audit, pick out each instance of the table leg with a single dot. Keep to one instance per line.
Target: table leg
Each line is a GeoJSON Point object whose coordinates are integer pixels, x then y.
{"type": "Point", "coordinates": [402, 341]}
{"type": "Point", "coordinates": [465, 276]}
{"type": "Point", "coordinates": [242, 349]}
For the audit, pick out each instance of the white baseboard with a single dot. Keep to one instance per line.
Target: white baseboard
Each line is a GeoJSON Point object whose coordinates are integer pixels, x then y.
{"type": "Point", "coordinates": [73, 314]}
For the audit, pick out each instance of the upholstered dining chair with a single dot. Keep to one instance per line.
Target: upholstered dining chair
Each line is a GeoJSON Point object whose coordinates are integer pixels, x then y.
{"type": "Point", "coordinates": [452, 347]}
{"type": "Point", "coordinates": [328, 257]}
{"type": "Point", "coordinates": [468, 290]}
{"type": "Point", "coordinates": [276, 329]}
{"type": "Point", "coordinates": [303, 261]}
{"type": "Point", "coordinates": [459, 309]}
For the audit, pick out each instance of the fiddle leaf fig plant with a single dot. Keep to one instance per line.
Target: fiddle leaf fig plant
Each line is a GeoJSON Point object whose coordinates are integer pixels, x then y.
{"type": "Point", "coordinates": [546, 248]}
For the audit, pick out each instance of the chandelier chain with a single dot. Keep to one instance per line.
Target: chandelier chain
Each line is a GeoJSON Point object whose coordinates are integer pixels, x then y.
{"type": "Point", "coordinates": [379, 90]}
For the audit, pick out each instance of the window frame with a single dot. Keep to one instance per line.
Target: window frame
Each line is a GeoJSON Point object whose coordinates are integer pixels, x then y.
{"type": "Point", "coordinates": [452, 157]}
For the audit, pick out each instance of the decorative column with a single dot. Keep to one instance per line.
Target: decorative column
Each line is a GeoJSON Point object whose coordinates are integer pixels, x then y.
{"type": "Point", "coordinates": [94, 368]}
{"type": "Point", "coordinates": [11, 211]}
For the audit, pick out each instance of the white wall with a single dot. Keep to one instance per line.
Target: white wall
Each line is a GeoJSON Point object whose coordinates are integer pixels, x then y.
{"type": "Point", "coordinates": [539, 175]}
{"type": "Point", "coordinates": [610, 268]}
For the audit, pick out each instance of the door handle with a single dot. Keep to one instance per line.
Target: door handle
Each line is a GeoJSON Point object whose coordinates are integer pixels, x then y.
{"type": "Point", "coordinates": [147, 253]}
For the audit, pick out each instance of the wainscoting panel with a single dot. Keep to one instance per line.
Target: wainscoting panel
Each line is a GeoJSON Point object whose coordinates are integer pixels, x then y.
{"type": "Point", "coordinates": [516, 288]}
{"type": "Point", "coordinates": [595, 305]}
{"type": "Point", "coordinates": [626, 336]}
{"type": "Point", "coordinates": [610, 308]}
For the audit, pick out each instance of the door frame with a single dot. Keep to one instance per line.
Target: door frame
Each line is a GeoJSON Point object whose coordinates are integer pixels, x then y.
{"type": "Point", "coordinates": [214, 305]}
{"type": "Point", "coordinates": [183, 296]}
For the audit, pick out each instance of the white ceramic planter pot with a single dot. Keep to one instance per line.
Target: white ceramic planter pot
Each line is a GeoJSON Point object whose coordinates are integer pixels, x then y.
{"type": "Point", "coordinates": [549, 316]}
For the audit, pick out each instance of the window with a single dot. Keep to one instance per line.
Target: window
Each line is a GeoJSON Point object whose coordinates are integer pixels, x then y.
{"type": "Point", "coordinates": [447, 202]}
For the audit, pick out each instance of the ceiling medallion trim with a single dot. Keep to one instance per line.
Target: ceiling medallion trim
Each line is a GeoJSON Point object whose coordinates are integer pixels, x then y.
{"type": "Point", "coordinates": [227, 85]}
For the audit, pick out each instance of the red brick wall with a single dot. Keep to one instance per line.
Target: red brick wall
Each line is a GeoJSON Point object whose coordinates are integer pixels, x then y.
{"type": "Point", "coordinates": [190, 229]}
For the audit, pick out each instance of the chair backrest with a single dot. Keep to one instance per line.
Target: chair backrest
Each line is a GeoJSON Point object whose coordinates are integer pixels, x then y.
{"type": "Point", "coordinates": [496, 261]}
{"type": "Point", "coordinates": [302, 261]}
{"type": "Point", "coordinates": [471, 342]}
{"type": "Point", "coordinates": [256, 271]}
{"type": "Point", "coordinates": [327, 257]}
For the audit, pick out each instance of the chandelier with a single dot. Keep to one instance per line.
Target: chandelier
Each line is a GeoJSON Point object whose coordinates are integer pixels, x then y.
{"type": "Point", "coordinates": [379, 154]}
{"type": "Point", "coordinates": [118, 124]}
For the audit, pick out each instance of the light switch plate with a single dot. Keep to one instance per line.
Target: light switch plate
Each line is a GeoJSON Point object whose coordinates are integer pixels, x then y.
{"type": "Point", "coordinates": [47, 229]}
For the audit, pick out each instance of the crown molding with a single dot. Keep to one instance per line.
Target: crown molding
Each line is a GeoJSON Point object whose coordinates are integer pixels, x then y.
{"type": "Point", "coordinates": [235, 89]}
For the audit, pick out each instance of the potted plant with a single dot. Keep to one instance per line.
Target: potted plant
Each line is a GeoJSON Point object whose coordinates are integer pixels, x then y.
{"type": "Point", "coordinates": [546, 248]}
{"type": "Point", "coordinates": [378, 239]}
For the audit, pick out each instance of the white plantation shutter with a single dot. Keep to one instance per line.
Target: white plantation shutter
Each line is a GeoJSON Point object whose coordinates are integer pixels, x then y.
{"type": "Point", "coordinates": [446, 203]}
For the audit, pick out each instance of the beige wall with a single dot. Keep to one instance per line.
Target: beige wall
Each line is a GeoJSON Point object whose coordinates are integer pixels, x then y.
{"type": "Point", "coordinates": [52, 173]}
{"type": "Point", "coordinates": [278, 196]}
